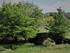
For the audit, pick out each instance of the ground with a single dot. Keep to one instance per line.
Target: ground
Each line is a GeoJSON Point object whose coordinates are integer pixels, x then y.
{"type": "Point", "coordinates": [31, 48]}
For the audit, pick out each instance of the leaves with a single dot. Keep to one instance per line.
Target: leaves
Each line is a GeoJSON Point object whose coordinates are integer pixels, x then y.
{"type": "Point", "coordinates": [17, 20]}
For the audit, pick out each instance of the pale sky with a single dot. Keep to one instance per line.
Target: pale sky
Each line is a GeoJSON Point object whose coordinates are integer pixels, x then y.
{"type": "Point", "coordinates": [47, 5]}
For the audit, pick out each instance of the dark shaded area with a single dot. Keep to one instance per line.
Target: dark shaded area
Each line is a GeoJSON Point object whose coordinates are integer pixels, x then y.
{"type": "Point", "coordinates": [3, 42]}
{"type": "Point", "coordinates": [56, 37]}
{"type": "Point", "coordinates": [11, 44]}
{"type": "Point", "coordinates": [39, 39]}
{"type": "Point", "coordinates": [66, 41]}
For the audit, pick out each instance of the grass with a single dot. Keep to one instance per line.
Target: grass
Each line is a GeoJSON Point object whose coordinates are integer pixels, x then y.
{"type": "Point", "coordinates": [30, 48]}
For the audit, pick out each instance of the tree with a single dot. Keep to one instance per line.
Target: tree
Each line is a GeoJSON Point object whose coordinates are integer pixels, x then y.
{"type": "Point", "coordinates": [58, 26]}
{"type": "Point", "coordinates": [16, 21]}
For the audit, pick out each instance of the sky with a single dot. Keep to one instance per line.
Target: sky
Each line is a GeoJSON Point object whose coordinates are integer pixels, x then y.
{"type": "Point", "coordinates": [47, 5]}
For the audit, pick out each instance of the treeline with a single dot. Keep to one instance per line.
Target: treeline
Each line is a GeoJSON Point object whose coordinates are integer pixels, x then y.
{"type": "Point", "coordinates": [20, 21]}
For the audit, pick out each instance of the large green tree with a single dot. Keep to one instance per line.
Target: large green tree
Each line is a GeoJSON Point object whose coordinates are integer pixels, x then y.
{"type": "Point", "coordinates": [59, 26]}
{"type": "Point", "coordinates": [19, 20]}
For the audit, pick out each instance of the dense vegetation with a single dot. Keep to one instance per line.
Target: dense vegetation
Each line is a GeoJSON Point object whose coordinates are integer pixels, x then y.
{"type": "Point", "coordinates": [59, 26]}
{"type": "Point", "coordinates": [21, 22]}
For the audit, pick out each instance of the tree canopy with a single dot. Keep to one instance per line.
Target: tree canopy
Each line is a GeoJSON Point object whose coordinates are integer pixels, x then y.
{"type": "Point", "coordinates": [59, 26]}
{"type": "Point", "coordinates": [19, 20]}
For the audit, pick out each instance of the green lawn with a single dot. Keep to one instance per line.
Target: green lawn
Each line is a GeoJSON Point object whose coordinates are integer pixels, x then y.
{"type": "Point", "coordinates": [40, 49]}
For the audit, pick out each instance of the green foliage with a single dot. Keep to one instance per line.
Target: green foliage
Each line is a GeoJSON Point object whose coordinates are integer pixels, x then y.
{"type": "Point", "coordinates": [16, 20]}
{"type": "Point", "coordinates": [59, 25]}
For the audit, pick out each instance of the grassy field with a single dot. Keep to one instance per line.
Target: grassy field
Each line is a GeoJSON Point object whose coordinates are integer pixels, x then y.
{"type": "Point", "coordinates": [30, 48]}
